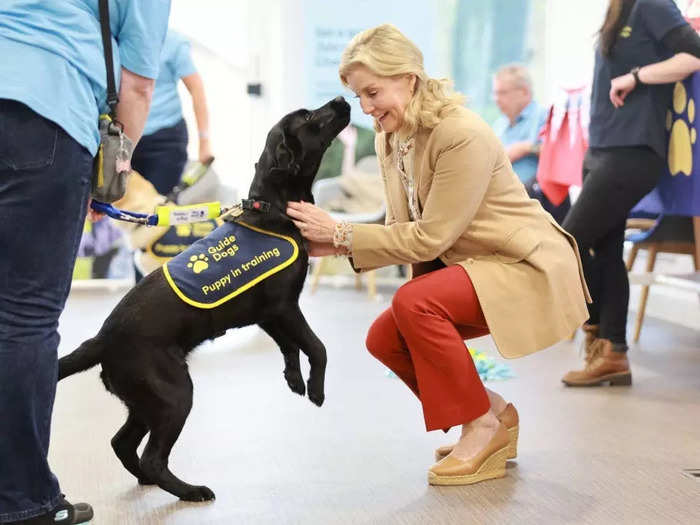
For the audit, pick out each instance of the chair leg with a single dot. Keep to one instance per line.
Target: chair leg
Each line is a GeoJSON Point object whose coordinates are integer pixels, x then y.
{"type": "Point", "coordinates": [371, 285]}
{"type": "Point", "coordinates": [696, 260]}
{"type": "Point", "coordinates": [651, 260]}
{"type": "Point", "coordinates": [316, 274]}
{"type": "Point", "coordinates": [358, 282]}
{"type": "Point", "coordinates": [632, 257]}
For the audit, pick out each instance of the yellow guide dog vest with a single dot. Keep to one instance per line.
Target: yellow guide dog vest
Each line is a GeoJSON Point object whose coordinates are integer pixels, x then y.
{"type": "Point", "coordinates": [176, 239]}
{"type": "Point", "coordinates": [226, 263]}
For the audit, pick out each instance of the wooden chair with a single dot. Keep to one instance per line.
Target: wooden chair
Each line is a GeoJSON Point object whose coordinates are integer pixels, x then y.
{"type": "Point", "coordinates": [666, 234]}
{"type": "Point", "coordinates": [326, 190]}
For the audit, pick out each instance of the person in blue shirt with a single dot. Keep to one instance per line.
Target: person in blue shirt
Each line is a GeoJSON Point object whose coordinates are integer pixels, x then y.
{"type": "Point", "coordinates": [161, 154]}
{"type": "Point", "coordinates": [518, 127]}
{"type": "Point", "coordinates": [52, 92]}
{"type": "Point", "coordinates": [644, 46]}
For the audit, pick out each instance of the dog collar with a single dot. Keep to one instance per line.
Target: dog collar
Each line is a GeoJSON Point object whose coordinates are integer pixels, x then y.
{"type": "Point", "coordinates": [254, 204]}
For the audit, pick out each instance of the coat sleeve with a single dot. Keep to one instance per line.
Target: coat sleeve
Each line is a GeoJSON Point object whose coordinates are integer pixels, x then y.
{"type": "Point", "coordinates": [463, 154]}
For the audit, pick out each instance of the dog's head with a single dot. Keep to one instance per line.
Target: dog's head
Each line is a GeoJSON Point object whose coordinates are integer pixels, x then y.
{"type": "Point", "coordinates": [293, 152]}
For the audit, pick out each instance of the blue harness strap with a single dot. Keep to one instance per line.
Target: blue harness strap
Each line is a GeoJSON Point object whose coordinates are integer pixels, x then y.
{"type": "Point", "coordinates": [232, 259]}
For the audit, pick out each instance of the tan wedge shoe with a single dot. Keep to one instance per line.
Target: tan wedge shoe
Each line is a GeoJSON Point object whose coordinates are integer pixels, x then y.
{"type": "Point", "coordinates": [509, 417]}
{"type": "Point", "coordinates": [490, 463]}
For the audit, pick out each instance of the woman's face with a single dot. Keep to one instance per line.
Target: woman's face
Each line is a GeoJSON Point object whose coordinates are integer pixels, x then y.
{"type": "Point", "coordinates": [385, 98]}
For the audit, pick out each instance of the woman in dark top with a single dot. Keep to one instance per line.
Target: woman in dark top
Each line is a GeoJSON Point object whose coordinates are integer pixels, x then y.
{"type": "Point", "coordinates": [644, 46]}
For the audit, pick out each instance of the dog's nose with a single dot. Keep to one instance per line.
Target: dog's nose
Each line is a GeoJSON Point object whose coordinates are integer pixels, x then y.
{"type": "Point", "coordinates": [338, 102]}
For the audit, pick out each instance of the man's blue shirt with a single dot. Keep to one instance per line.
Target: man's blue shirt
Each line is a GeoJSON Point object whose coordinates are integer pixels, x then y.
{"type": "Point", "coordinates": [526, 127]}
{"type": "Point", "coordinates": [52, 58]}
{"type": "Point", "coordinates": [175, 63]}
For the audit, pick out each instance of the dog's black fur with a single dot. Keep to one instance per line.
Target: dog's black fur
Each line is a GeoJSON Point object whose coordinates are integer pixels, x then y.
{"type": "Point", "coordinates": [143, 344]}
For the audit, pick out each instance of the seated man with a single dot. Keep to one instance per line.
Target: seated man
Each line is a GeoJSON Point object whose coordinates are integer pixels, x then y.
{"type": "Point", "coordinates": [519, 127]}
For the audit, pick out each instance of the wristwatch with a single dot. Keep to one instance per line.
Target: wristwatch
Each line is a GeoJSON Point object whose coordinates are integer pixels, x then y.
{"type": "Point", "coordinates": [635, 73]}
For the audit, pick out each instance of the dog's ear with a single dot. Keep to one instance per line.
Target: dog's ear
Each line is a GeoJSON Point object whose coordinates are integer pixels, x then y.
{"type": "Point", "coordinates": [285, 159]}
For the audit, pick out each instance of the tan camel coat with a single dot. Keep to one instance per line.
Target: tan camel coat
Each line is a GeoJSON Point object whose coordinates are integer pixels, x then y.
{"type": "Point", "coordinates": [475, 212]}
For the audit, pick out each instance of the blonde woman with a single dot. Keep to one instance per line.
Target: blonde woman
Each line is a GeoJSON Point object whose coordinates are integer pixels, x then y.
{"type": "Point", "coordinates": [486, 258]}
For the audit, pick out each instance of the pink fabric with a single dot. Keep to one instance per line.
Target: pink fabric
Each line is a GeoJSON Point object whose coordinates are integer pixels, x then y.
{"type": "Point", "coordinates": [564, 144]}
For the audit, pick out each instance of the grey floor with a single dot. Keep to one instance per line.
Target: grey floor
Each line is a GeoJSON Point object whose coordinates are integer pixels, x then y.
{"type": "Point", "coordinates": [610, 455]}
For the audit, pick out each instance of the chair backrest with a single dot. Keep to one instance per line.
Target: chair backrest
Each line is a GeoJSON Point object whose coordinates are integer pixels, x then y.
{"type": "Point", "coordinates": [667, 228]}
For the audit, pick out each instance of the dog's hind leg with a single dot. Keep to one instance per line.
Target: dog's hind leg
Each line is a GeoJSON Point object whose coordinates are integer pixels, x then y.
{"type": "Point", "coordinates": [166, 417]}
{"type": "Point", "coordinates": [290, 351]}
{"type": "Point", "coordinates": [294, 326]}
{"type": "Point", "coordinates": [125, 443]}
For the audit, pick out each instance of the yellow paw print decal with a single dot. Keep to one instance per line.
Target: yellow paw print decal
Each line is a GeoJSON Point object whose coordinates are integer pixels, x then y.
{"type": "Point", "coordinates": [683, 135]}
{"type": "Point", "coordinates": [198, 263]}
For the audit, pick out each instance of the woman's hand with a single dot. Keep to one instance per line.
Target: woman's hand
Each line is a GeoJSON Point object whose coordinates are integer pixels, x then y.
{"type": "Point", "coordinates": [314, 223]}
{"type": "Point", "coordinates": [620, 87]}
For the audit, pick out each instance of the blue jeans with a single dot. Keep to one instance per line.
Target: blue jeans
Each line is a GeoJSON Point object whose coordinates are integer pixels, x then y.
{"type": "Point", "coordinates": [161, 157]}
{"type": "Point", "coordinates": [44, 187]}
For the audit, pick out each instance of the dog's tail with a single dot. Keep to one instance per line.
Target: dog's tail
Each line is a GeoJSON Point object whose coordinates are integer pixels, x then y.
{"type": "Point", "coordinates": [85, 356]}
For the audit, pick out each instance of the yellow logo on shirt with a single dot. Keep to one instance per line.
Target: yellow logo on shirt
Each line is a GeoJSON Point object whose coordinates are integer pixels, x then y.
{"type": "Point", "coordinates": [679, 121]}
{"type": "Point", "coordinates": [626, 32]}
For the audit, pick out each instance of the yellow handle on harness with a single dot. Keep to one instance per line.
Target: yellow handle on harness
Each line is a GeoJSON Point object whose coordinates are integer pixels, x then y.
{"type": "Point", "coordinates": [170, 215]}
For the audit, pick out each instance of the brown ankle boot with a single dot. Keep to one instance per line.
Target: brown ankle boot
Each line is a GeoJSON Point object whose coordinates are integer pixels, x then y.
{"type": "Point", "coordinates": [591, 333]}
{"type": "Point", "coordinates": [603, 365]}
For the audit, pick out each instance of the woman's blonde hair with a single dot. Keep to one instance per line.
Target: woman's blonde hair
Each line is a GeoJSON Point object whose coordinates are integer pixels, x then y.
{"type": "Point", "coordinates": [388, 53]}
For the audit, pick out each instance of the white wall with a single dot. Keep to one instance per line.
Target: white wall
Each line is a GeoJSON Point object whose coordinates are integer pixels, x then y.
{"type": "Point", "coordinates": [218, 31]}
{"type": "Point", "coordinates": [236, 42]}
{"type": "Point", "coordinates": [569, 36]}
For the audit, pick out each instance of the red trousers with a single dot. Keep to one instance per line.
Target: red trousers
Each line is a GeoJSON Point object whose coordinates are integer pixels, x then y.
{"type": "Point", "coordinates": [421, 339]}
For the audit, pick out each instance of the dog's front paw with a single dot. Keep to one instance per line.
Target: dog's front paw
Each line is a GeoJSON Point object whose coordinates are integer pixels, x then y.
{"type": "Point", "coordinates": [200, 493]}
{"type": "Point", "coordinates": [316, 395]}
{"type": "Point", "coordinates": [295, 382]}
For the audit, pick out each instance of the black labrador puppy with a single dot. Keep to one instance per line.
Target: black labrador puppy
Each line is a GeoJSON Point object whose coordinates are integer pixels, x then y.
{"type": "Point", "coordinates": [143, 344]}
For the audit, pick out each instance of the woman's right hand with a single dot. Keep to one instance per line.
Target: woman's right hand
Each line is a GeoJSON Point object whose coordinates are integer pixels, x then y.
{"type": "Point", "coordinates": [620, 87]}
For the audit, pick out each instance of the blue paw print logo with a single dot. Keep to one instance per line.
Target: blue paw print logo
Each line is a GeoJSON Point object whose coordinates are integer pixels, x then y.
{"type": "Point", "coordinates": [198, 263]}
{"type": "Point", "coordinates": [680, 121]}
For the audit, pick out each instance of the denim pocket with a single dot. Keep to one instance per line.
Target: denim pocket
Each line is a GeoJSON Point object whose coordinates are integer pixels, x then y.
{"type": "Point", "coordinates": [27, 140]}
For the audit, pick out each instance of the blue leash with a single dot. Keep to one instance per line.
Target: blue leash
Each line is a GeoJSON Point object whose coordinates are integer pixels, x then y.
{"type": "Point", "coordinates": [170, 215]}
{"type": "Point", "coordinates": [123, 215]}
